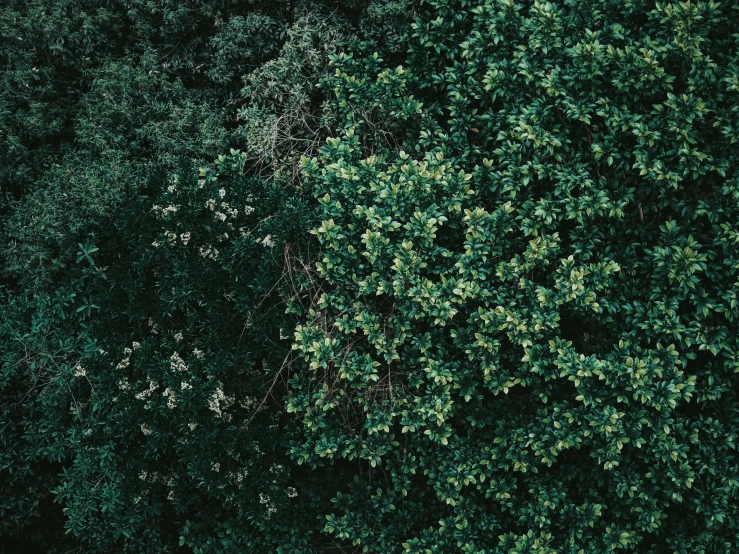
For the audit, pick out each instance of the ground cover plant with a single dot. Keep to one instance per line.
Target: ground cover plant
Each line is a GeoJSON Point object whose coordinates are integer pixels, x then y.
{"type": "Point", "coordinates": [388, 276]}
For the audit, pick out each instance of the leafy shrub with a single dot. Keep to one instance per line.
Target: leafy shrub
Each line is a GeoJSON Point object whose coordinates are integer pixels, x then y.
{"type": "Point", "coordinates": [155, 406]}
{"type": "Point", "coordinates": [99, 107]}
{"type": "Point", "coordinates": [527, 340]}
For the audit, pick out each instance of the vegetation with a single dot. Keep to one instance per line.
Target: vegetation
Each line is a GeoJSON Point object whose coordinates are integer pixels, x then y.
{"type": "Point", "coordinates": [468, 284]}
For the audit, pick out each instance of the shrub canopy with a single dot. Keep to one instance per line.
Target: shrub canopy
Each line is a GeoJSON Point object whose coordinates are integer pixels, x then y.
{"type": "Point", "coordinates": [529, 338]}
{"type": "Point", "coordinates": [496, 312]}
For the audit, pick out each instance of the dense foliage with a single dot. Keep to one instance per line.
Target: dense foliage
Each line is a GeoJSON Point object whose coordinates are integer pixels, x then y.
{"type": "Point", "coordinates": [105, 107]}
{"type": "Point", "coordinates": [495, 312]}
{"type": "Point", "coordinates": [528, 341]}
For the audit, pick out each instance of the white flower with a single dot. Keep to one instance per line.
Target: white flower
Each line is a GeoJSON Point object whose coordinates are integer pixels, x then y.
{"type": "Point", "coordinates": [184, 385]}
{"type": "Point", "coordinates": [192, 425]}
{"type": "Point", "coordinates": [145, 429]}
{"type": "Point", "coordinates": [291, 492]}
{"type": "Point", "coordinates": [247, 402]}
{"type": "Point", "coordinates": [171, 237]}
{"type": "Point", "coordinates": [155, 244]}
{"type": "Point", "coordinates": [219, 401]}
{"type": "Point", "coordinates": [135, 345]}
{"type": "Point", "coordinates": [267, 241]}
{"type": "Point", "coordinates": [79, 371]}
{"type": "Point", "coordinates": [171, 398]}
{"type": "Point", "coordinates": [264, 499]}
{"type": "Point", "coordinates": [185, 237]}
{"type": "Point", "coordinates": [222, 192]}
{"type": "Point", "coordinates": [170, 209]}
{"type": "Point", "coordinates": [207, 251]}
{"type": "Point", "coordinates": [123, 384]}
{"type": "Point", "coordinates": [144, 394]}
{"type": "Point", "coordinates": [176, 363]}
{"type": "Point", "coordinates": [201, 183]}
{"type": "Point", "coordinates": [211, 204]}
{"type": "Point", "coordinates": [170, 496]}
{"type": "Point", "coordinates": [143, 475]}
{"type": "Point", "coordinates": [215, 466]}
{"type": "Point", "coordinates": [248, 210]}
{"type": "Point", "coordinates": [197, 353]}
{"type": "Point", "coordinates": [127, 351]}
{"type": "Point", "coordinates": [178, 337]}
{"type": "Point", "coordinates": [221, 216]}
{"type": "Point", "coordinates": [171, 188]}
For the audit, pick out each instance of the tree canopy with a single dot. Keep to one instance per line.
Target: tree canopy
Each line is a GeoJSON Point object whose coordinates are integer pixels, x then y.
{"type": "Point", "coordinates": [374, 276]}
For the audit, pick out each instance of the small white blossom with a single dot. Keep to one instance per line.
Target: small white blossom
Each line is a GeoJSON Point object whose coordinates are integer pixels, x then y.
{"type": "Point", "coordinates": [219, 401]}
{"type": "Point", "coordinates": [211, 204]}
{"type": "Point", "coordinates": [135, 345]}
{"type": "Point", "coordinates": [248, 210]}
{"type": "Point", "coordinates": [267, 241]}
{"type": "Point", "coordinates": [145, 429]}
{"type": "Point", "coordinates": [123, 384]}
{"type": "Point", "coordinates": [171, 188]}
{"type": "Point", "coordinates": [79, 371]}
{"type": "Point", "coordinates": [222, 192]}
{"type": "Point", "coordinates": [197, 353]}
{"type": "Point", "coordinates": [171, 398]}
{"type": "Point", "coordinates": [247, 402]}
{"type": "Point", "coordinates": [208, 251]}
{"type": "Point", "coordinates": [155, 244]}
{"type": "Point", "coordinates": [127, 351]}
{"type": "Point", "coordinates": [184, 385]}
{"type": "Point", "coordinates": [264, 499]}
{"type": "Point", "coordinates": [201, 183]}
{"type": "Point", "coordinates": [170, 209]}
{"type": "Point", "coordinates": [192, 425]}
{"type": "Point", "coordinates": [185, 237]}
{"type": "Point", "coordinates": [144, 394]}
{"type": "Point", "coordinates": [215, 466]}
{"type": "Point", "coordinates": [178, 337]}
{"type": "Point", "coordinates": [176, 363]}
{"type": "Point", "coordinates": [221, 216]}
{"type": "Point", "coordinates": [291, 492]}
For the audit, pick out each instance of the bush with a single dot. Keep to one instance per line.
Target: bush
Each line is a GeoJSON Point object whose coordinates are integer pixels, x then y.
{"type": "Point", "coordinates": [101, 108]}
{"type": "Point", "coordinates": [152, 367]}
{"type": "Point", "coordinates": [527, 340]}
